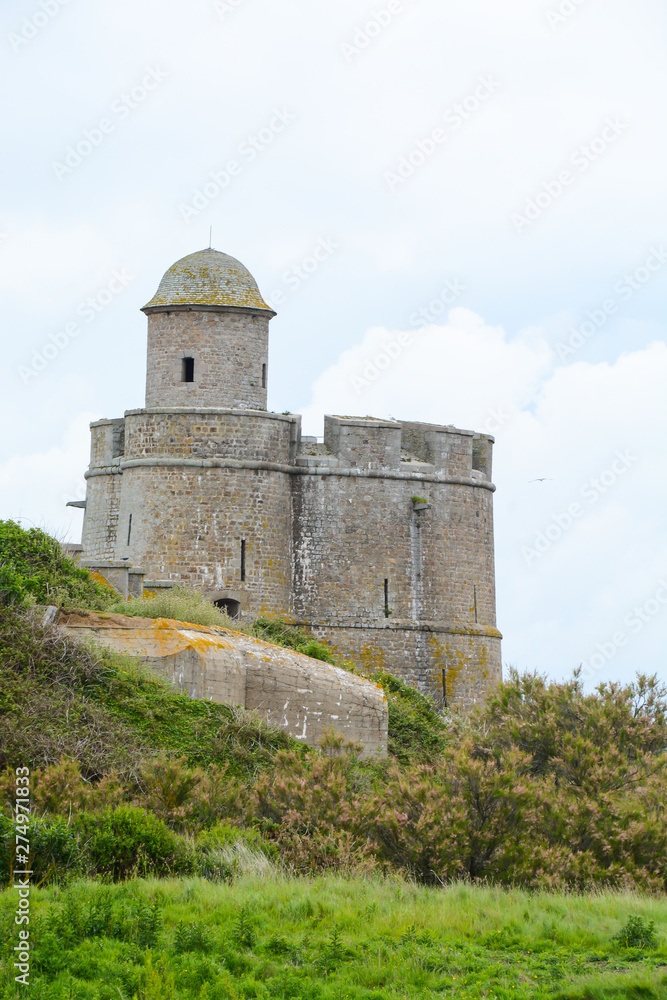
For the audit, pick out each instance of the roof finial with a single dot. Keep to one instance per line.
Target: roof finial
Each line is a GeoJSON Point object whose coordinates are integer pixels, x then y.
{"type": "Point", "coordinates": [210, 238]}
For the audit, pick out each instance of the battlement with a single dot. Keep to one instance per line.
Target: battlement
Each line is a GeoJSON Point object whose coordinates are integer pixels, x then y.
{"type": "Point", "coordinates": [107, 442]}
{"type": "Point", "coordinates": [363, 443]}
{"type": "Point", "coordinates": [366, 443]}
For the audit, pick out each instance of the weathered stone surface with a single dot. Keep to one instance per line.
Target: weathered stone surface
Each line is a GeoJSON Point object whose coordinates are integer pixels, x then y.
{"type": "Point", "coordinates": [291, 691]}
{"type": "Point", "coordinates": [203, 487]}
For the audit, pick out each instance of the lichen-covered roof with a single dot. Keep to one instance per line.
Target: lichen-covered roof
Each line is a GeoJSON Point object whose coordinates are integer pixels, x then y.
{"type": "Point", "coordinates": [208, 278]}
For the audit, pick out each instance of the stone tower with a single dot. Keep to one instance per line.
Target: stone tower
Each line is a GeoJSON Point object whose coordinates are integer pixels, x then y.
{"type": "Point", "coordinates": [208, 336]}
{"type": "Point", "coordinates": [378, 539]}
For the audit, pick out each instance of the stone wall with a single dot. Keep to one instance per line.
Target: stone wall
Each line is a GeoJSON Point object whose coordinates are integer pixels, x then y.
{"type": "Point", "coordinates": [380, 540]}
{"type": "Point", "coordinates": [454, 665]}
{"type": "Point", "coordinates": [379, 579]}
{"type": "Point", "coordinates": [205, 432]}
{"type": "Point", "coordinates": [103, 494]}
{"type": "Point", "coordinates": [230, 353]}
{"type": "Point", "coordinates": [188, 525]}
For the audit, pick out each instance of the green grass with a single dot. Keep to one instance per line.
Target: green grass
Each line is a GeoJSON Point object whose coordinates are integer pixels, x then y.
{"type": "Point", "coordinates": [204, 732]}
{"type": "Point", "coordinates": [181, 604]}
{"type": "Point", "coordinates": [417, 732]}
{"type": "Point", "coordinates": [333, 939]}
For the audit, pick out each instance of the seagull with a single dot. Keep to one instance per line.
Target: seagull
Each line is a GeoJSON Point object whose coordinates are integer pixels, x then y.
{"type": "Point", "coordinates": [545, 479]}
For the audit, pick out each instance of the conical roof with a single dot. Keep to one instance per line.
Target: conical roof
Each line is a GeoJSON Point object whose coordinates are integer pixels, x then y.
{"type": "Point", "coordinates": [208, 278]}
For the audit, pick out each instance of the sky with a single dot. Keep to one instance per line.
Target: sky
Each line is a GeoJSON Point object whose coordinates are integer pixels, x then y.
{"type": "Point", "coordinates": [457, 208]}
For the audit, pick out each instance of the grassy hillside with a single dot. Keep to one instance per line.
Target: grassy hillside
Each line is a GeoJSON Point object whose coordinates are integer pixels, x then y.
{"type": "Point", "coordinates": [331, 938]}
{"type": "Point", "coordinates": [546, 786]}
{"type": "Point", "coordinates": [519, 852]}
{"type": "Point", "coordinates": [62, 700]}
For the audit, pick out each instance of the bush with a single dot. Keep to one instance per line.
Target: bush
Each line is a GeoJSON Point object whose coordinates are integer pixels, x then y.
{"type": "Point", "coordinates": [55, 851]}
{"type": "Point", "coordinates": [637, 933]}
{"type": "Point", "coordinates": [48, 687]}
{"type": "Point", "coordinates": [180, 604]}
{"type": "Point", "coordinates": [129, 841]}
{"type": "Point", "coordinates": [33, 569]}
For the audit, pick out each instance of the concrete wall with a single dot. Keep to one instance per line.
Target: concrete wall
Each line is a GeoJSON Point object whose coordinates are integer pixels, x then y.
{"type": "Point", "coordinates": [293, 692]}
{"type": "Point", "coordinates": [229, 348]}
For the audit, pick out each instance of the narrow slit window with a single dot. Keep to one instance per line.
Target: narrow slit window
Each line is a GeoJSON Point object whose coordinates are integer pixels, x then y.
{"type": "Point", "coordinates": [243, 559]}
{"type": "Point", "coordinates": [188, 370]}
{"type": "Point", "coordinates": [444, 688]}
{"type": "Point", "coordinates": [387, 612]}
{"type": "Point", "coordinates": [263, 376]}
{"type": "Point", "coordinates": [129, 530]}
{"type": "Point", "coordinates": [475, 595]}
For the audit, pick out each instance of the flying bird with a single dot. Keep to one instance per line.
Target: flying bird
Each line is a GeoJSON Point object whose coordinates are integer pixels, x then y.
{"type": "Point", "coordinates": [545, 479]}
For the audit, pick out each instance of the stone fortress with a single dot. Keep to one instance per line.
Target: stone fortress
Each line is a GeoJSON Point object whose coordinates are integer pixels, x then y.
{"type": "Point", "coordinates": [378, 539]}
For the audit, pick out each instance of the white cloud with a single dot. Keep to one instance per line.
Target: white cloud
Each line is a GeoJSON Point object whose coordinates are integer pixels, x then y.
{"type": "Point", "coordinates": [465, 370]}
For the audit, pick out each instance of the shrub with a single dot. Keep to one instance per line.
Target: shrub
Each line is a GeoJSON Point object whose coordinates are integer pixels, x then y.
{"type": "Point", "coordinates": [171, 789]}
{"type": "Point", "coordinates": [224, 834]}
{"type": "Point", "coordinates": [126, 841]}
{"type": "Point", "coordinates": [637, 933]}
{"type": "Point", "coordinates": [48, 687]}
{"type": "Point", "coordinates": [190, 937]}
{"type": "Point", "coordinates": [180, 604]}
{"type": "Point", "coordinates": [33, 569]}
{"type": "Point", "coordinates": [55, 851]}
